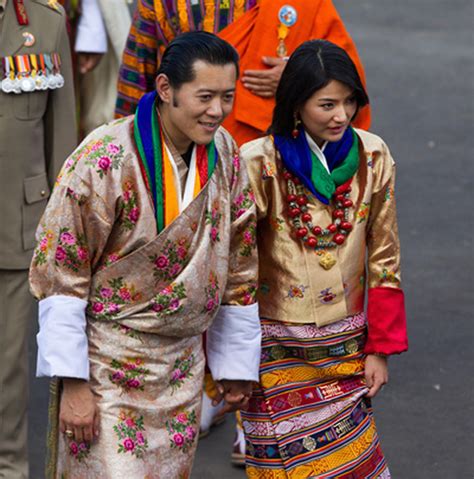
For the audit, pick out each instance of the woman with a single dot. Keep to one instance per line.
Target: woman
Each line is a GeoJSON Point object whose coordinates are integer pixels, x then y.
{"type": "Point", "coordinates": [326, 231]}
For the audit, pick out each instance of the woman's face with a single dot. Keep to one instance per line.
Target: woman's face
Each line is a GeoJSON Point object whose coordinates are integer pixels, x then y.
{"type": "Point", "coordinates": [328, 113]}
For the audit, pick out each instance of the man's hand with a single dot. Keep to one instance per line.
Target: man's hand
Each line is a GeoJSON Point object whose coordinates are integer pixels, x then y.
{"type": "Point", "coordinates": [78, 411]}
{"type": "Point", "coordinates": [264, 82]}
{"type": "Point", "coordinates": [88, 61]}
{"type": "Point", "coordinates": [235, 393]}
{"type": "Point", "coordinates": [376, 373]}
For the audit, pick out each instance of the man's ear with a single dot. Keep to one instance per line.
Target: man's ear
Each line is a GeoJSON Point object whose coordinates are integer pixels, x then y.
{"type": "Point", "coordinates": [163, 88]}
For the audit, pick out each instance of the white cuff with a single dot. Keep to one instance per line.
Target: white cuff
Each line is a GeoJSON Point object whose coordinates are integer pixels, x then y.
{"type": "Point", "coordinates": [62, 338]}
{"type": "Point", "coordinates": [91, 36]}
{"type": "Point", "coordinates": [234, 343]}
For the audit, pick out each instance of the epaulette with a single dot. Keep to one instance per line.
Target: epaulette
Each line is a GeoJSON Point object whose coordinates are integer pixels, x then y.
{"type": "Point", "coordinates": [51, 4]}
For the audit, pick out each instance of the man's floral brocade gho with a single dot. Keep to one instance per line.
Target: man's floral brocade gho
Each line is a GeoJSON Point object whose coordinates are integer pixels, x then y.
{"type": "Point", "coordinates": [294, 287]}
{"type": "Point", "coordinates": [149, 296]}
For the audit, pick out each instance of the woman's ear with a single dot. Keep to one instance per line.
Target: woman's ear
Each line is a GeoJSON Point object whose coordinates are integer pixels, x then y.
{"type": "Point", "coordinates": [163, 88]}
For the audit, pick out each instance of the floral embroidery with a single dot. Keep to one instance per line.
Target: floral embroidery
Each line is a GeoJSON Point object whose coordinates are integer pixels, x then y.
{"type": "Point", "coordinates": [268, 170]}
{"type": "Point", "coordinates": [129, 374]}
{"type": "Point", "coordinates": [169, 300]}
{"type": "Point", "coordinates": [211, 292]}
{"type": "Point", "coordinates": [71, 250]}
{"type": "Point", "coordinates": [182, 370]}
{"type": "Point", "coordinates": [276, 223]}
{"type": "Point", "coordinates": [79, 450]}
{"type": "Point", "coordinates": [44, 246]}
{"type": "Point", "coordinates": [236, 165]}
{"type": "Point", "coordinates": [388, 276]}
{"type": "Point", "coordinates": [72, 195]}
{"type": "Point", "coordinates": [363, 212]}
{"type": "Point", "coordinates": [108, 300]}
{"type": "Point", "coordinates": [326, 296]}
{"type": "Point", "coordinates": [247, 293]}
{"type": "Point", "coordinates": [102, 154]}
{"type": "Point", "coordinates": [171, 260]}
{"type": "Point", "coordinates": [213, 218]}
{"type": "Point", "coordinates": [130, 332]}
{"type": "Point", "coordinates": [110, 259]}
{"type": "Point", "coordinates": [242, 203]}
{"type": "Point", "coordinates": [388, 194]}
{"type": "Point", "coordinates": [297, 291]}
{"type": "Point", "coordinates": [249, 240]}
{"type": "Point", "coordinates": [129, 206]}
{"type": "Point", "coordinates": [182, 430]}
{"type": "Point", "coordinates": [130, 431]}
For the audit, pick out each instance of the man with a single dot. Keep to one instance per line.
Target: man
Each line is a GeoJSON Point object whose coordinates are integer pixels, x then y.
{"type": "Point", "coordinates": [150, 228]}
{"type": "Point", "coordinates": [102, 31]}
{"type": "Point", "coordinates": [264, 32]}
{"type": "Point", "coordinates": [37, 130]}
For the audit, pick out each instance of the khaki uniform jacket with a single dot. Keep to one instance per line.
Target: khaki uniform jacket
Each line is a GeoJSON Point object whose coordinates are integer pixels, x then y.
{"type": "Point", "coordinates": [37, 131]}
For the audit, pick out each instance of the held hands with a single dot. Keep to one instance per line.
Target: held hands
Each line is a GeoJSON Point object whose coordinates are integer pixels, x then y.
{"type": "Point", "coordinates": [78, 412]}
{"type": "Point", "coordinates": [264, 82]}
{"type": "Point", "coordinates": [376, 373]}
{"type": "Point", "coordinates": [235, 393]}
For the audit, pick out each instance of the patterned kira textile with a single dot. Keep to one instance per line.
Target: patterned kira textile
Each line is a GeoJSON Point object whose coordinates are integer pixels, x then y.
{"type": "Point", "coordinates": [149, 297]}
{"type": "Point", "coordinates": [309, 418]}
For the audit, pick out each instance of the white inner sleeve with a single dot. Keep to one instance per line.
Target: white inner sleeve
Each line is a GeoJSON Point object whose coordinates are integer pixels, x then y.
{"type": "Point", "coordinates": [91, 36]}
{"type": "Point", "coordinates": [234, 343]}
{"type": "Point", "coordinates": [62, 339]}
{"type": "Point", "coordinates": [318, 151]}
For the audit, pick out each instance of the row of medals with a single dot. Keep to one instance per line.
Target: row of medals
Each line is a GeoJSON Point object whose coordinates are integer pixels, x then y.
{"type": "Point", "coordinates": [29, 81]}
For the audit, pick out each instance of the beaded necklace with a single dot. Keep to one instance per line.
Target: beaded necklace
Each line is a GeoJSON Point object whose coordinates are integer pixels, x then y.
{"type": "Point", "coordinates": [314, 236]}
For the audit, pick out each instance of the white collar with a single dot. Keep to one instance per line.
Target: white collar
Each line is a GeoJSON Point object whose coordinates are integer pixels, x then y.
{"type": "Point", "coordinates": [318, 151]}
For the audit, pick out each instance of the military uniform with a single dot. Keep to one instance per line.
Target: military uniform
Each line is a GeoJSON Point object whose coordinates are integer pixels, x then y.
{"type": "Point", "coordinates": [37, 132]}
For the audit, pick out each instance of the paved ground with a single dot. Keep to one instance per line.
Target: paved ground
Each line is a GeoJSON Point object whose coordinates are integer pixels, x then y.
{"type": "Point", "coordinates": [418, 57]}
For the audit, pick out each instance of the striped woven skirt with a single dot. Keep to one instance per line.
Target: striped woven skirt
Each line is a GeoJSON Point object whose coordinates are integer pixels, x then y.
{"type": "Point", "coordinates": [309, 418]}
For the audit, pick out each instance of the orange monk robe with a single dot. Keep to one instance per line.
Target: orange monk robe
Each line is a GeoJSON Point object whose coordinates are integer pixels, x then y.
{"type": "Point", "coordinates": [255, 35]}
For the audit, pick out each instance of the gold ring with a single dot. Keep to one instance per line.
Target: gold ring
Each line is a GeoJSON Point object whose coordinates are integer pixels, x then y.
{"type": "Point", "coordinates": [69, 433]}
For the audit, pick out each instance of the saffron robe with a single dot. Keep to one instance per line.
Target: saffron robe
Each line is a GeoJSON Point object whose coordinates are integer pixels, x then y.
{"type": "Point", "coordinates": [251, 26]}
{"type": "Point", "coordinates": [136, 302]}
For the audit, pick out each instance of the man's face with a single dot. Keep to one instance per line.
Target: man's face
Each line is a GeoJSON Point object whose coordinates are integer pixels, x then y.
{"type": "Point", "coordinates": [193, 112]}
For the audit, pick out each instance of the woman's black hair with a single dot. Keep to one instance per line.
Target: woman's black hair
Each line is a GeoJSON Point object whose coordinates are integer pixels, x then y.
{"type": "Point", "coordinates": [179, 57]}
{"type": "Point", "coordinates": [311, 67]}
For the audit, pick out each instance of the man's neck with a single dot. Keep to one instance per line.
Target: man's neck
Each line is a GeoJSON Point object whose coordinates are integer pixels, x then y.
{"type": "Point", "coordinates": [181, 143]}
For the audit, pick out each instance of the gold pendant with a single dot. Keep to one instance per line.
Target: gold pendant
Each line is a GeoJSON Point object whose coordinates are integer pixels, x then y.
{"type": "Point", "coordinates": [327, 261]}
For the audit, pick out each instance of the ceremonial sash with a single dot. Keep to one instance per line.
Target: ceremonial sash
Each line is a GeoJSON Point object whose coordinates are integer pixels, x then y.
{"type": "Point", "coordinates": [157, 164]}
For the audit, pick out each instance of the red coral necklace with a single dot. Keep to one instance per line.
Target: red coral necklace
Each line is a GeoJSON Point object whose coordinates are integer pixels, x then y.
{"type": "Point", "coordinates": [314, 236]}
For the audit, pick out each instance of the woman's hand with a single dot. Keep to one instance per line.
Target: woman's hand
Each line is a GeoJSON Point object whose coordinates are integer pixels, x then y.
{"type": "Point", "coordinates": [235, 393]}
{"type": "Point", "coordinates": [376, 373]}
{"type": "Point", "coordinates": [78, 411]}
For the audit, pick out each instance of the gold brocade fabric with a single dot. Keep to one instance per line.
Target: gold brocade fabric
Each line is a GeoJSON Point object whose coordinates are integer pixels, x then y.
{"type": "Point", "coordinates": [294, 287]}
{"type": "Point", "coordinates": [149, 299]}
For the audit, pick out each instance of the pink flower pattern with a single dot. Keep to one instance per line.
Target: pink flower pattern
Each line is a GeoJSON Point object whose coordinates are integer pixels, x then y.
{"type": "Point", "coordinates": [103, 155]}
{"type": "Point", "coordinates": [242, 203]}
{"type": "Point", "coordinates": [171, 260]}
{"type": "Point", "coordinates": [79, 450]}
{"type": "Point", "coordinates": [211, 292]}
{"type": "Point", "coordinates": [130, 434]}
{"type": "Point", "coordinates": [108, 300]}
{"type": "Point", "coordinates": [182, 430]}
{"type": "Point", "coordinates": [43, 247]}
{"type": "Point", "coordinates": [71, 250]}
{"type": "Point", "coordinates": [213, 218]}
{"type": "Point", "coordinates": [169, 300]}
{"type": "Point", "coordinates": [130, 211]}
{"type": "Point", "coordinates": [249, 240]}
{"type": "Point", "coordinates": [129, 374]}
{"type": "Point", "coordinates": [181, 370]}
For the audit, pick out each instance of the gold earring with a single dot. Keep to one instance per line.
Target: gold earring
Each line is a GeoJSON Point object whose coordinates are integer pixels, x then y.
{"type": "Point", "coordinates": [297, 123]}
